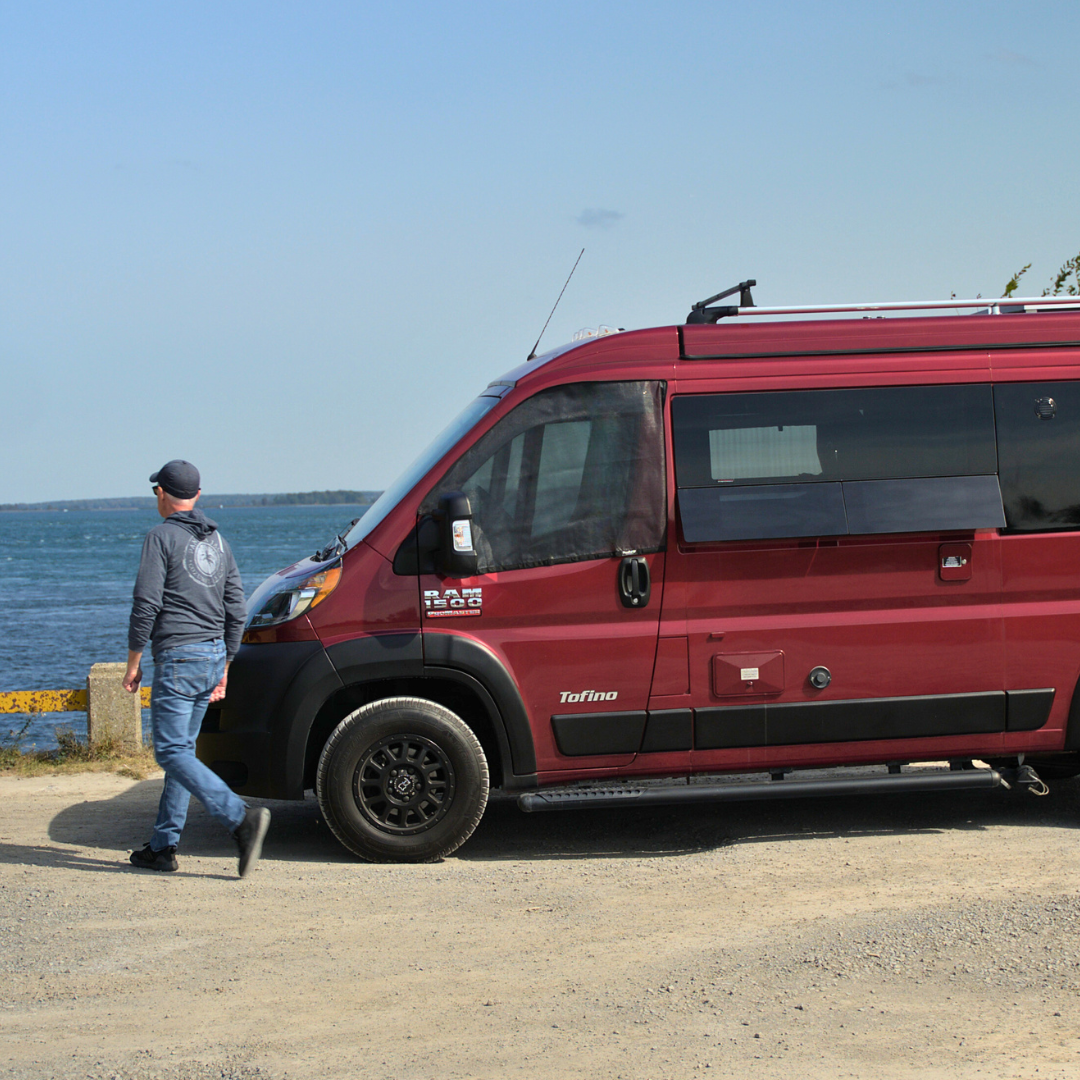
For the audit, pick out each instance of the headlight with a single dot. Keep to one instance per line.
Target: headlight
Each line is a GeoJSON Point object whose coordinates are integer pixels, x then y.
{"type": "Point", "coordinates": [287, 598]}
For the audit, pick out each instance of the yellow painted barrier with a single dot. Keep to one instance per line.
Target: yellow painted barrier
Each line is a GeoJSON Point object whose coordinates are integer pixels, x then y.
{"type": "Point", "coordinates": [111, 712]}
{"type": "Point", "coordinates": [45, 701]}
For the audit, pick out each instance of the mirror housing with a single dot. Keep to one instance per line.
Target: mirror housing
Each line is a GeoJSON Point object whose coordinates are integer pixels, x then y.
{"type": "Point", "coordinates": [456, 556]}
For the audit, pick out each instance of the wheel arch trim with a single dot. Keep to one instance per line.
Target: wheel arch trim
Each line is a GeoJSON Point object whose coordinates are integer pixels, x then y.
{"type": "Point", "coordinates": [452, 653]}
{"type": "Point", "coordinates": [358, 660]}
{"type": "Point", "coordinates": [437, 656]}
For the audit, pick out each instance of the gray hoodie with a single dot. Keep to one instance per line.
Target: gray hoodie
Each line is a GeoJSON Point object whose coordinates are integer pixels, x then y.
{"type": "Point", "coordinates": [188, 588]}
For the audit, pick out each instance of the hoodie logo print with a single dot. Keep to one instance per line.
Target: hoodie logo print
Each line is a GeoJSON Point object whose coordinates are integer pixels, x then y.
{"type": "Point", "coordinates": [205, 562]}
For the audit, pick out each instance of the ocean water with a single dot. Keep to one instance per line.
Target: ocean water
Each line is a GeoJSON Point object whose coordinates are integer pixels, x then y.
{"type": "Point", "coordinates": [66, 581]}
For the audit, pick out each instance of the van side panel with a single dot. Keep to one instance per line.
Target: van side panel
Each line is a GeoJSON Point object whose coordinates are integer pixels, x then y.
{"type": "Point", "coordinates": [570, 647]}
{"type": "Point", "coordinates": [913, 657]}
{"type": "Point", "coordinates": [872, 611]}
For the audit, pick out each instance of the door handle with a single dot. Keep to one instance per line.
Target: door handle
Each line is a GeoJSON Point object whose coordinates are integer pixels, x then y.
{"type": "Point", "coordinates": [634, 583]}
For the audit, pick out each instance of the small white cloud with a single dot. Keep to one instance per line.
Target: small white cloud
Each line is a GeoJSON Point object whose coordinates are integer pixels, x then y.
{"type": "Point", "coordinates": [599, 219]}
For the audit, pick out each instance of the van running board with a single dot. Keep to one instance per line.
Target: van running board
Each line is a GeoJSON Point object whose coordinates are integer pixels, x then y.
{"type": "Point", "coordinates": [577, 798]}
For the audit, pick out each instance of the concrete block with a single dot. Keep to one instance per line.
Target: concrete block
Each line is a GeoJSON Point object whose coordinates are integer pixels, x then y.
{"type": "Point", "coordinates": [110, 709]}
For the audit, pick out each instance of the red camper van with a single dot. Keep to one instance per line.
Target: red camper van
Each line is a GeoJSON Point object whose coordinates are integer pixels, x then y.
{"type": "Point", "coordinates": [752, 543]}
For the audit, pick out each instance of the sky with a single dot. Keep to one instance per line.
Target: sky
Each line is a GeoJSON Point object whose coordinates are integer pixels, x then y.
{"type": "Point", "coordinates": [290, 241]}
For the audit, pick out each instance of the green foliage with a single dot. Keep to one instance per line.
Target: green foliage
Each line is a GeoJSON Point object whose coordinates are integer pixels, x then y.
{"type": "Point", "coordinates": [1014, 281]}
{"type": "Point", "coordinates": [69, 747]}
{"type": "Point", "coordinates": [11, 744]}
{"type": "Point", "coordinates": [15, 736]}
{"type": "Point", "coordinates": [72, 754]}
{"type": "Point", "coordinates": [1062, 286]}
{"type": "Point", "coordinates": [1065, 283]}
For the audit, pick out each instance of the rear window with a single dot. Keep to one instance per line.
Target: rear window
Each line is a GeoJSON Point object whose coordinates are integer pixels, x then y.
{"type": "Point", "coordinates": [1039, 444]}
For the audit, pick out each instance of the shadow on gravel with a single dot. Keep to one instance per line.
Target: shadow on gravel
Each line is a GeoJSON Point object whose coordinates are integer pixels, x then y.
{"type": "Point", "coordinates": [506, 833]}
{"type": "Point", "coordinates": [125, 822]}
{"type": "Point", "coordinates": [57, 858]}
{"type": "Point", "coordinates": [298, 833]}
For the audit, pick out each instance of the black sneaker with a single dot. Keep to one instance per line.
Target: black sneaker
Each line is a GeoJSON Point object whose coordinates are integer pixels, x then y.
{"type": "Point", "coordinates": [249, 837]}
{"type": "Point", "coordinates": [149, 859]}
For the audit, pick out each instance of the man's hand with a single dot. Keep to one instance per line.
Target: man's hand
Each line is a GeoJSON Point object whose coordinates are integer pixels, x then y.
{"type": "Point", "coordinates": [219, 691]}
{"type": "Point", "coordinates": [133, 675]}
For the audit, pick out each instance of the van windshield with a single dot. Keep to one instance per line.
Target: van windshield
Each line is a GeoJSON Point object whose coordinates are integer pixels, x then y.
{"type": "Point", "coordinates": [386, 502]}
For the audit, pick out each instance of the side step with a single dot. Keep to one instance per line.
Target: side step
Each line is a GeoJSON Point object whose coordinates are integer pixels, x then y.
{"type": "Point", "coordinates": [578, 798]}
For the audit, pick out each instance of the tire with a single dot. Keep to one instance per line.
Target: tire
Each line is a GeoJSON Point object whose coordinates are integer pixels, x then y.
{"type": "Point", "coordinates": [402, 780]}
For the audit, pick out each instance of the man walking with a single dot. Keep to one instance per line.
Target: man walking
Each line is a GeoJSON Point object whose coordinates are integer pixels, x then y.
{"type": "Point", "coordinates": [189, 604]}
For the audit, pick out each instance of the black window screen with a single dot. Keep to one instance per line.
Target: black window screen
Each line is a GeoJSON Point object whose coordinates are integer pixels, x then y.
{"type": "Point", "coordinates": [1038, 428]}
{"type": "Point", "coordinates": [576, 472]}
{"type": "Point", "coordinates": [836, 462]}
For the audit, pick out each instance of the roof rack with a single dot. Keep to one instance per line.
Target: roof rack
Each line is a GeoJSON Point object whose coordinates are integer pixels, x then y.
{"type": "Point", "coordinates": [702, 313]}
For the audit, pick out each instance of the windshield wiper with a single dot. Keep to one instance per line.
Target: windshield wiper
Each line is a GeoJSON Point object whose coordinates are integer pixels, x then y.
{"type": "Point", "coordinates": [337, 546]}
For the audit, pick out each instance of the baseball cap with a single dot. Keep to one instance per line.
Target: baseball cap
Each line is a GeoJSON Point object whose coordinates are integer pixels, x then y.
{"type": "Point", "coordinates": [179, 478]}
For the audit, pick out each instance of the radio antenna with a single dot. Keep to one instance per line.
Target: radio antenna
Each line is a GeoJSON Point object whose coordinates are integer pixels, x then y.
{"type": "Point", "coordinates": [532, 355]}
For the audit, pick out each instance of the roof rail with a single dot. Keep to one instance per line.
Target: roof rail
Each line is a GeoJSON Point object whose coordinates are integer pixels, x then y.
{"type": "Point", "coordinates": [1002, 306]}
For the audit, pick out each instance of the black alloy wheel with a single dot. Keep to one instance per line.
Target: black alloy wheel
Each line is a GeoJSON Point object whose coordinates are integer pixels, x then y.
{"type": "Point", "coordinates": [402, 780]}
{"type": "Point", "coordinates": [404, 784]}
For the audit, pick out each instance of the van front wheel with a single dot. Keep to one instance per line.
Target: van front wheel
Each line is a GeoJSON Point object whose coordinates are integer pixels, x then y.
{"type": "Point", "coordinates": [402, 780]}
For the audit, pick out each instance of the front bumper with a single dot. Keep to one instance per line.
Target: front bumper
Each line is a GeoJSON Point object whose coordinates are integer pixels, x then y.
{"type": "Point", "coordinates": [274, 692]}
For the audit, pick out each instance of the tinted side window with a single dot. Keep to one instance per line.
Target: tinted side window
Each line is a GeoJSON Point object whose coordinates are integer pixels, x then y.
{"type": "Point", "coordinates": [836, 462]}
{"type": "Point", "coordinates": [576, 472]}
{"type": "Point", "coordinates": [559, 473]}
{"type": "Point", "coordinates": [812, 435]}
{"type": "Point", "coordinates": [1039, 446]}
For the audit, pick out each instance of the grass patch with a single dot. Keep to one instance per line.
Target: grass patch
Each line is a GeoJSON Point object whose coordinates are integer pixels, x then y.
{"type": "Point", "coordinates": [73, 755]}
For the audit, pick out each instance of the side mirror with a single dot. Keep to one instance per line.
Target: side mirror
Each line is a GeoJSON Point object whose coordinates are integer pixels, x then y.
{"type": "Point", "coordinates": [456, 557]}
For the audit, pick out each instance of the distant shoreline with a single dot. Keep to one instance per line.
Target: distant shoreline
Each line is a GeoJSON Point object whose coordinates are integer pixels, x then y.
{"type": "Point", "coordinates": [227, 502]}
{"type": "Point", "coordinates": [203, 505]}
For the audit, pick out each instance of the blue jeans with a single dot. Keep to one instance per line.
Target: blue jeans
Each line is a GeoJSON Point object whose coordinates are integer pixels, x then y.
{"type": "Point", "coordinates": [184, 676]}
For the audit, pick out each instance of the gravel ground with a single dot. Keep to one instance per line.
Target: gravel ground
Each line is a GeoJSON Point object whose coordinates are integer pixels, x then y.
{"type": "Point", "coordinates": [890, 937]}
